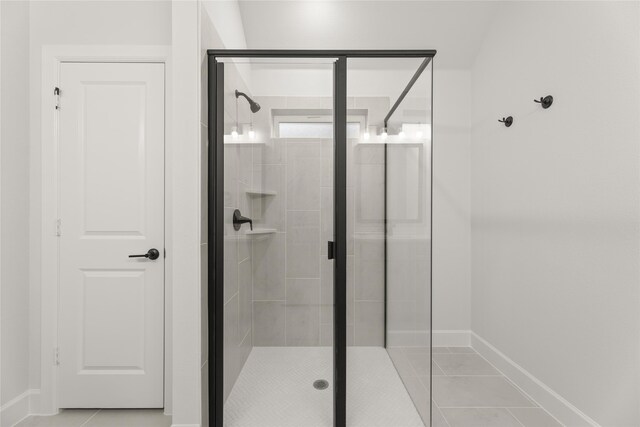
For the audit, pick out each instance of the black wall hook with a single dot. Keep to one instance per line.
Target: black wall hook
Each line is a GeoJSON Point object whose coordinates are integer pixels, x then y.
{"type": "Point", "coordinates": [507, 122]}
{"type": "Point", "coordinates": [545, 102]}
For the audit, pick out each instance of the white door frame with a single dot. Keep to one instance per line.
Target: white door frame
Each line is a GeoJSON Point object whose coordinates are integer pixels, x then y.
{"type": "Point", "coordinates": [52, 57]}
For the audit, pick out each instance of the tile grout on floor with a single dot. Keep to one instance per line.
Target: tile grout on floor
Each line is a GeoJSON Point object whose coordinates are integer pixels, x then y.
{"type": "Point", "coordinates": [90, 418]}
{"type": "Point", "coordinates": [500, 374]}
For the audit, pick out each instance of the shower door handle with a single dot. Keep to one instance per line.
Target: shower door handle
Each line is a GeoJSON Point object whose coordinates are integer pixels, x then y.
{"type": "Point", "coordinates": [330, 254]}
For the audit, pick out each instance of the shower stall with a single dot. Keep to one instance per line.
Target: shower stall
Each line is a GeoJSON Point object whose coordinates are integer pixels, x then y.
{"type": "Point", "coordinates": [319, 215]}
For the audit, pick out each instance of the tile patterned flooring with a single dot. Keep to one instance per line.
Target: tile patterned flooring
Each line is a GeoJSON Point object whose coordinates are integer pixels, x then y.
{"type": "Point", "coordinates": [100, 418]}
{"type": "Point", "coordinates": [467, 392]}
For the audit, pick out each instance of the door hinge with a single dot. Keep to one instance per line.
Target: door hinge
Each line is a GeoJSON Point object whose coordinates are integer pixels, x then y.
{"type": "Point", "coordinates": [56, 93]}
{"type": "Point", "coordinates": [58, 227]}
{"type": "Point", "coordinates": [56, 356]}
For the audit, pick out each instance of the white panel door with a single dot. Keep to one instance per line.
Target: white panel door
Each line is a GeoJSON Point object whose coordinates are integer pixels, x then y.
{"type": "Point", "coordinates": [111, 307]}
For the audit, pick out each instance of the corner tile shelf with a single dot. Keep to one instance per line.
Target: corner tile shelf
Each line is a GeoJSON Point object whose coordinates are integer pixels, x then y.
{"type": "Point", "coordinates": [260, 231]}
{"type": "Point", "coordinates": [261, 193]}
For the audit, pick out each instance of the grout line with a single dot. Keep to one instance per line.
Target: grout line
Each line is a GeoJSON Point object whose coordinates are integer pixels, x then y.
{"type": "Point", "coordinates": [487, 407]}
{"type": "Point", "coordinates": [501, 375]}
{"type": "Point", "coordinates": [470, 375]}
{"type": "Point", "coordinates": [439, 367]}
{"type": "Point", "coordinates": [513, 415]}
{"type": "Point", "coordinates": [244, 337]}
{"type": "Point", "coordinates": [516, 386]}
{"type": "Point", "coordinates": [415, 371]}
{"type": "Point", "coordinates": [90, 418]}
{"type": "Point", "coordinates": [231, 297]}
{"type": "Point", "coordinates": [434, 404]}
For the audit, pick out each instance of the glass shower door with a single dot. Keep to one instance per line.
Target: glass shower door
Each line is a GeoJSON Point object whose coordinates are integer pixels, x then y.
{"type": "Point", "coordinates": [389, 243]}
{"type": "Point", "coordinates": [276, 127]}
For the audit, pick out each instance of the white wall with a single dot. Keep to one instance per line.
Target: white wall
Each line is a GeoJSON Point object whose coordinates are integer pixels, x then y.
{"type": "Point", "coordinates": [555, 200]}
{"type": "Point", "coordinates": [75, 23]}
{"type": "Point", "coordinates": [14, 155]}
{"type": "Point", "coordinates": [225, 17]}
{"type": "Point", "coordinates": [226, 21]}
{"type": "Point", "coordinates": [186, 234]}
{"type": "Point", "coordinates": [451, 211]}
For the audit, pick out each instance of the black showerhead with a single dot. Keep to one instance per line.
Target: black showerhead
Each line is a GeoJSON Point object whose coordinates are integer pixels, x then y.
{"type": "Point", "coordinates": [255, 107]}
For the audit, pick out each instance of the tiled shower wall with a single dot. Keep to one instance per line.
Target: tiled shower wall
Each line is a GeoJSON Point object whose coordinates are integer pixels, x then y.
{"type": "Point", "coordinates": [238, 280]}
{"type": "Point", "coordinates": [292, 278]}
{"type": "Point", "coordinates": [237, 264]}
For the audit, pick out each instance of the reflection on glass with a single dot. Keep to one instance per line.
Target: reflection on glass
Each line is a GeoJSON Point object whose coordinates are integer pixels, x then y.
{"type": "Point", "coordinates": [278, 323]}
{"type": "Point", "coordinates": [389, 252]}
{"type": "Point", "coordinates": [314, 130]}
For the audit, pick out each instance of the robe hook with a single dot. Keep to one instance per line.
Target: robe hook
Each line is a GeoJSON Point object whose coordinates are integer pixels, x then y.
{"type": "Point", "coordinates": [545, 101]}
{"type": "Point", "coordinates": [507, 121]}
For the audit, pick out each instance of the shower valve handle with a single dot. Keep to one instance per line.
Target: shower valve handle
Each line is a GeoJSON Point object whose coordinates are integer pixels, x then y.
{"type": "Point", "coordinates": [238, 220]}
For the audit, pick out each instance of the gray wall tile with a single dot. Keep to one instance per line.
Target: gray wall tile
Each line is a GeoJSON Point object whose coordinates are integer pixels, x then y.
{"type": "Point", "coordinates": [268, 267]}
{"type": "Point", "coordinates": [369, 198]}
{"type": "Point", "coordinates": [303, 175]}
{"type": "Point", "coordinates": [269, 323]}
{"type": "Point", "coordinates": [301, 172]}
{"type": "Point", "coordinates": [368, 318]}
{"type": "Point", "coordinates": [230, 276]}
{"type": "Point", "coordinates": [369, 268]}
{"type": "Point", "coordinates": [245, 295]}
{"type": "Point", "coordinates": [303, 244]}
{"type": "Point", "coordinates": [269, 211]}
{"type": "Point", "coordinates": [302, 311]}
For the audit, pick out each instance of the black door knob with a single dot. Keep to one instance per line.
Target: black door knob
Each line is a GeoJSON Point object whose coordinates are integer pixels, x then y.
{"type": "Point", "coordinates": [152, 254]}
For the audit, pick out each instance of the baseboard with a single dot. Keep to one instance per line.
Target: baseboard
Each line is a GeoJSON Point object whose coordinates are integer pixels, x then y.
{"type": "Point", "coordinates": [451, 338]}
{"type": "Point", "coordinates": [185, 425]}
{"type": "Point", "coordinates": [556, 405]}
{"type": "Point", "coordinates": [17, 408]}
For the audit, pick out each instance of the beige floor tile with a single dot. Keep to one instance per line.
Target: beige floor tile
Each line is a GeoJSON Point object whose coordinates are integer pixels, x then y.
{"type": "Point", "coordinates": [420, 363]}
{"type": "Point", "coordinates": [464, 364]}
{"type": "Point", "coordinates": [129, 418]}
{"type": "Point", "coordinates": [477, 391]}
{"type": "Point", "coordinates": [420, 397]}
{"type": "Point", "coordinates": [66, 418]}
{"type": "Point", "coordinates": [458, 350]}
{"type": "Point", "coordinates": [435, 370]}
{"type": "Point", "coordinates": [437, 419]}
{"type": "Point", "coordinates": [480, 417]}
{"type": "Point", "coordinates": [534, 417]}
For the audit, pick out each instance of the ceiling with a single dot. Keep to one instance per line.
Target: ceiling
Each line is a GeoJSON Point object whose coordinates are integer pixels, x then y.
{"type": "Point", "coordinates": [454, 28]}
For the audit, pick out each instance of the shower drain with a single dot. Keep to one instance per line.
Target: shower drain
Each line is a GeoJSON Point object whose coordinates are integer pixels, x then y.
{"type": "Point", "coordinates": [320, 384]}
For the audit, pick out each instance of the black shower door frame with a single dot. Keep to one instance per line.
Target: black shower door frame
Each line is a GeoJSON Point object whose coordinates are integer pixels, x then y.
{"type": "Point", "coordinates": [215, 193]}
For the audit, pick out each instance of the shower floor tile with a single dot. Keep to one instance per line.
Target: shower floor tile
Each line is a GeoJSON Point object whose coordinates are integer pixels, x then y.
{"type": "Point", "coordinates": [275, 389]}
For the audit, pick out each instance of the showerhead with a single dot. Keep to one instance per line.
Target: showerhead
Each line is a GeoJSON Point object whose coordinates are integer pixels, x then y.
{"type": "Point", "coordinates": [255, 107]}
